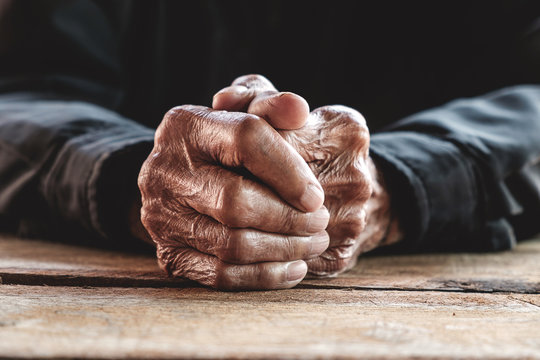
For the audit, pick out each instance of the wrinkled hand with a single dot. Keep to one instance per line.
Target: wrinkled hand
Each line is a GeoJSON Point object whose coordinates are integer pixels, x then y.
{"type": "Point", "coordinates": [335, 144]}
{"type": "Point", "coordinates": [229, 203]}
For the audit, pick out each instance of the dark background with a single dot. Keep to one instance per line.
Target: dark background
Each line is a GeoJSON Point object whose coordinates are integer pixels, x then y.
{"type": "Point", "coordinates": [387, 59]}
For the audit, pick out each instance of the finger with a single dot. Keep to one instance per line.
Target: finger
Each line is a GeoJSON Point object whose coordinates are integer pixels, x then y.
{"type": "Point", "coordinates": [239, 202]}
{"type": "Point", "coordinates": [333, 261]}
{"type": "Point", "coordinates": [177, 226]}
{"type": "Point", "coordinates": [348, 220]}
{"type": "Point", "coordinates": [241, 92]}
{"type": "Point", "coordinates": [256, 95]}
{"type": "Point", "coordinates": [233, 98]}
{"type": "Point", "coordinates": [211, 271]}
{"type": "Point", "coordinates": [355, 134]}
{"type": "Point", "coordinates": [241, 140]}
{"type": "Point", "coordinates": [244, 246]}
{"type": "Point", "coordinates": [283, 110]}
{"type": "Point", "coordinates": [254, 81]}
{"type": "Point", "coordinates": [331, 132]}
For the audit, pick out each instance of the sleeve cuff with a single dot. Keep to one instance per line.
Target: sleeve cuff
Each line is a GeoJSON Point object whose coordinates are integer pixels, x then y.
{"type": "Point", "coordinates": [94, 177]}
{"type": "Point", "coordinates": [435, 193]}
{"type": "Point", "coordinates": [113, 188]}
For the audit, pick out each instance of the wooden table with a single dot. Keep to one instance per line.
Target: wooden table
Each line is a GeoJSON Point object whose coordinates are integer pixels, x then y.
{"type": "Point", "coordinates": [63, 301]}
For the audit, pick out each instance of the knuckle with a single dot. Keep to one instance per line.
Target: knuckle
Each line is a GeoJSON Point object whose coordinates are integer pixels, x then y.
{"type": "Point", "coordinates": [235, 210]}
{"type": "Point", "coordinates": [250, 131]}
{"type": "Point", "coordinates": [268, 276]}
{"type": "Point", "coordinates": [361, 183]}
{"type": "Point", "coordinates": [230, 277]}
{"type": "Point", "coordinates": [157, 226]}
{"type": "Point", "coordinates": [170, 260]}
{"type": "Point", "coordinates": [290, 220]}
{"type": "Point", "coordinates": [246, 79]}
{"type": "Point", "coordinates": [182, 112]}
{"type": "Point", "coordinates": [352, 183]}
{"type": "Point", "coordinates": [344, 116]}
{"type": "Point", "coordinates": [143, 180]}
{"type": "Point", "coordinates": [164, 258]}
{"type": "Point", "coordinates": [234, 249]}
{"type": "Point", "coordinates": [146, 216]}
{"type": "Point", "coordinates": [364, 188]}
{"type": "Point", "coordinates": [178, 120]}
{"type": "Point", "coordinates": [354, 227]}
{"type": "Point", "coordinates": [149, 172]}
{"type": "Point", "coordinates": [295, 248]}
{"type": "Point", "coordinates": [333, 261]}
{"type": "Point", "coordinates": [152, 220]}
{"type": "Point", "coordinates": [341, 264]}
{"type": "Point", "coordinates": [252, 81]}
{"type": "Point", "coordinates": [173, 117]}
{"type": "Point", "coordinates": [351, 226]}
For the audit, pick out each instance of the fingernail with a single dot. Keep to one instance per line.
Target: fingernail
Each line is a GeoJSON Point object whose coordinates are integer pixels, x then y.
{"type": "Point", "coordinates": [318, 221]}
{"type": "Point", "coordinates": [312, 198]}
{"type": "Point", "coordinates": [296, 271]}
{"type": "Point", "coordinates": [319, 243]}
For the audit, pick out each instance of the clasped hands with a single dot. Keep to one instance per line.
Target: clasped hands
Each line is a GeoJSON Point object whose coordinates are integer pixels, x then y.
{"type": "Point", "coordinates": [257, 191]}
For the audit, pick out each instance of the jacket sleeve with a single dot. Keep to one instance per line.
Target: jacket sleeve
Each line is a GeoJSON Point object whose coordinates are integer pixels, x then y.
{"type": "Point", "coordinates": [68, 161]}
{"type": "Point", "coordinates": [466, 176]}
{"type": "Point", "coordinates": [67, 164]}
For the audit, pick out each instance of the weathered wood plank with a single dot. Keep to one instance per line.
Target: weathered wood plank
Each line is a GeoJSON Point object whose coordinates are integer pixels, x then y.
{"type": "Point", "coordinates": [34, 262]}
{"type": "Point", "coordinates": [509, 271]}
{"type": "Point", "coordinates": [66, 322]}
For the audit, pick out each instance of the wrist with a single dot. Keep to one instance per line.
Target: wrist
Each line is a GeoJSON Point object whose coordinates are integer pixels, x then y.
{"type": "Point", "coordinates": [136, 227]}
{"type": "Point", "coordinates": [382, 226]}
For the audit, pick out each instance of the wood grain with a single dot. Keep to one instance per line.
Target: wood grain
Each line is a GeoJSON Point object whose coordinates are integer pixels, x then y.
{"type": "Point", "coordinates": [106, 304]}
{"type": "Point", "coordinates": [31, 262]}
{"type": "Point", "coordinates": [34, 262]}
{"type": "Point", "coordinates": [66, 322]}
{"type": "Point", "coordinates": [517, 271]}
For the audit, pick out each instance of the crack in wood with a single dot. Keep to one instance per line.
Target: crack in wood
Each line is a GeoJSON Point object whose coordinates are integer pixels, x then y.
{"type": "Point", "coordinates": [495, 285]}
{"type": "Point", "coordinates": [37, 263]}
{"type": "Point", "coordinates": [471, 286]}
{"type": "Point", "coordinates": [92, 281]}
{"type": "Point", "coordinates": [459, 289]}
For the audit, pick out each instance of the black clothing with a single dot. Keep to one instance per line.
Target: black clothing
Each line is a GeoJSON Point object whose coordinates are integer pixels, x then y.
{"type": "Point", "coordinates": [83, 83]}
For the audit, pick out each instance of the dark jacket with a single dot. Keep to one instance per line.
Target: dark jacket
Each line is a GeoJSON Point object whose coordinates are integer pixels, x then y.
{"type": "Point", "coordinates": [84, 83]}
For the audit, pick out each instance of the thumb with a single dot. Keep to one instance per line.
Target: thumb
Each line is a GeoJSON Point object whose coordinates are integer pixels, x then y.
{"type": "Point", "coordinates": [256, 95]}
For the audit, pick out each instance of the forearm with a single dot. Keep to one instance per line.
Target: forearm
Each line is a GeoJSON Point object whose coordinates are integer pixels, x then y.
{"type": "Point", "coordinates": [448, 167]}
{"type": "Point", "coordinates": [68, 163]}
